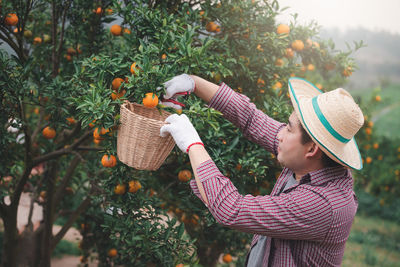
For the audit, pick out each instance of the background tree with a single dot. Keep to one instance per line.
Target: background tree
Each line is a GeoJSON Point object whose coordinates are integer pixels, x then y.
{"type": "Point", "coordinates": [61, 96]}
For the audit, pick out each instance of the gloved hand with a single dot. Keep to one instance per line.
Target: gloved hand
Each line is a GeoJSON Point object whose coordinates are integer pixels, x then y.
{"type": "Point", "coordinates": [179, 85]}
{"type": "Point", "coordinates": [182, 130]}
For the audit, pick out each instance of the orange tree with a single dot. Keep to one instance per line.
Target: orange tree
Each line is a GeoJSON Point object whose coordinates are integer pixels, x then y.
{"type": "Point", "coordinates": [61, 96]}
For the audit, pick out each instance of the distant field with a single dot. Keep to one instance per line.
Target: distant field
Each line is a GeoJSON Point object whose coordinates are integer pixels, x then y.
{"type": "Point", "coordinates": [385, 114]}
{"type": "Point", "coordinates": [372, 242]}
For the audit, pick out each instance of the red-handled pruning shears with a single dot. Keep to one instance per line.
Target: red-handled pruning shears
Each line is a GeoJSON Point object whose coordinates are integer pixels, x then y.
{"type": "Point", "coordinates": [172, 100]}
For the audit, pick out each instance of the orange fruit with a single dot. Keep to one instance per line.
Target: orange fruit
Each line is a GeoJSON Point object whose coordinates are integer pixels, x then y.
{"type": "Point", "coordinates": [96, 141]}
{"type": "Point", "coordinates": [97, 134]}
{"type": "Point", "coordinates": [347, 71]}
{"type": "Point", "coordinates": [179, 265]}
{"type": "Point", "coordinates": [289, 53]}
{"type": "Point", "coordinates": [378, 98]}
{"type": "Point", "coordinates": [133, 68]}
{"type": "Point", "coordinates": [98, 11]}
{"type": "Point", "coordinates": [109, 11]}
{"type": "Point", "coordinates": [127, 31]}
{"type": "Point", "coordinates": [120, 189]}
{"type": "Point", "coordinates": [368, 131]}
{"type": "Point", "coordinates": [298, 45]}
{"type": "Point", "coordinates": [283, 29]}
{"type": "Point", "coordinates": [71, 51]}
{"type": "Point", "coordinates": [49, 133]}
{"type": "Point", "coordinates": [150, 100]}
{"type": "Point", "coordinates": [259, 48]}
{"type": "Point", "coordinates": [279, 62]}
{"type": "Point", "coordinates": [108, 161]}
{"type": "Point", "coordinates": [164, 56]}
{"type": "Point", "coordinates": [260, 82]}
{"type": "Point", "coordinates": [68, 57]}
{"type": "Point", "coordinates": [11, 19]}
{"type": "Point", "coordinates": [211, 26]}
{"type": "Point", "coordinates": [116, 95]}
{"type": "Point", "coordinates": [116, 30]}
{"type": "Point", "coordinates": [227, 258]}
{"type": "Point", "coordinates": [184, 175]}
{"type": "Point", "coordinates": [238, 166]}
{"type": "Point", "coordinates": [277, 85]}
{"type": "Point", "coordinates": [376, 146]}
{"type": "Point", "coordinates": [112, 253]}
{"type": "Point", "coordinates": [368, 160]}
{"type": "Point", "coordinates": [134, 186]}
{"type": "Point", "coordinates": [319, 86]}
{"type": "Point", "coordinates": [310, 67]}
{"type": "Point", "coordinates": [71, 120]}
{"type": "Point", "coordinates": [116, 83]}
{"type": "Point", "coordinates": [37, 40]}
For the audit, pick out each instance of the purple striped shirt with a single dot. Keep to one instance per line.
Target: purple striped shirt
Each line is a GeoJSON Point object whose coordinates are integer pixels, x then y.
{"type": "Point", "coordinates": [307, 224]}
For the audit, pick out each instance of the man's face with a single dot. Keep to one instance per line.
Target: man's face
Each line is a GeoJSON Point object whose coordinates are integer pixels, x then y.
{"type": "Point", "coordinates": [291, 152]}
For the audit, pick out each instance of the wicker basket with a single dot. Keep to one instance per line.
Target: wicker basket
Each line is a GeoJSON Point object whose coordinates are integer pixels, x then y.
{"type": "Point", "coordinates": [139, 144]}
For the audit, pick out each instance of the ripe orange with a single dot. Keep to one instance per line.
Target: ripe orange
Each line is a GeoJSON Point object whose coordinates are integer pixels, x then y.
{"type": "Point", "coordinates": [109, 11]}
{"type": "Point", "coordinates": [283, 29]}
{"type": "Point", "coordinates": [120, 189]}
{"type": "Point", "coordinates": [309, 43]}
{"type": "Point", "coordinates": [298, 45]}
{"type": "Point", "coordinates": [310, 67]}
{"type": "Point", "coordinates": [97, 134]}
{"type": "Point", "coordinates": [227, 258]}
{"type": "Point", "coordinates": [116, 83]}
{"type": "Point", "coordinates": [37, 40]}
{"type": "Point", "coordinates": [179, 265]}
{"type": "Point", "coordinates": [71, 120]}
{"type": "Point", "coordinates": [184, 175]}
{"type": "Point", "coordinates": [116, 95]}
{"type": "Point", "coordinates": [289, 53]}
{"type": "Point", "coordinates": [11, 19]}
{"type": "Point", "coordinates": [368, 160]}
{"type": "Point", "coordinates": [260, 82]}
{"type": "Point", "coordinates": [112, 253]}
{"type": "Point", "coordinates": [108, 161]}
{"type": "Point", "coordinates": [68, 57]}
{"type": "Point", "coordinates": [71, 51]}
{"type": "Point", "coordinates": [127, 31]}
{"type": "Point", "coordinates": [368, 131]}
{"type": "Point", "coordinates": [116, 30]}
{"type": "Point", "coordinates": [279, 62]}
{"type": "Point", "coordinates": [378, 98]}
{"type": "Point", "coordinates": [347, 71]}
{"type": "Point", "coordinates": [164, 56]}
{"type": "Point", "coordinates": [376, 146]}
{"type": "Point", "coordinates": [259, 48]}
{"type": "Point", "coordinates": [49, 133]}
{"type": "Point", "coordinates": [134, 186]}
{"type": "Point", "coordinates": [150, 100]}
{"type": "Point", "coordinates": [133, 68]}
{"type": "Point", "coordinates": [277, 85]}
{"type": "Point", "coordinates": [98, 11]}
{"type": "Point", "coordinates": [211, 26]}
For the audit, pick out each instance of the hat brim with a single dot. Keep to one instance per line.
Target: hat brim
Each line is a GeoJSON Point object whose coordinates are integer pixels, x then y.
{"type": "Point", "coordinates": [301, 94]}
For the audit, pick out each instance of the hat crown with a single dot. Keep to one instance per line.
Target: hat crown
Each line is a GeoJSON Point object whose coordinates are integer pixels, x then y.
{"type": "Point", "coordinates": [341, 112]}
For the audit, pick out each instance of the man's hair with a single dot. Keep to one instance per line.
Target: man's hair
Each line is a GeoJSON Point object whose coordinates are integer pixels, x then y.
{"type": "Point", "coordinates": [326, 161]}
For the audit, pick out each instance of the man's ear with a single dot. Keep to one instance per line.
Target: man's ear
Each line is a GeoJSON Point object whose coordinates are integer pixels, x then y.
{"type": "Point", "coordinates": [313, 151]}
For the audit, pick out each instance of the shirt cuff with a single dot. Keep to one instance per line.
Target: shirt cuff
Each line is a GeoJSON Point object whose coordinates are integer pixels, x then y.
{"type": "Point", "coordinates": [207, 170]}
{"type": "Point", "coordinates": [221, 99]}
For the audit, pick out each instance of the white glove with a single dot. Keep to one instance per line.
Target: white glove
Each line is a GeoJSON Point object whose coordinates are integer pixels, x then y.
{"type": "Point", "coordinates": [182, 130]}
{"type": "Point", "coordinates": [179, 84]}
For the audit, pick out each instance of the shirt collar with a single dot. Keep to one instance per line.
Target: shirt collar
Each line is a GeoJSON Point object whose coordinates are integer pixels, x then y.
{"type": "Point", "coordinates": [324, 175]}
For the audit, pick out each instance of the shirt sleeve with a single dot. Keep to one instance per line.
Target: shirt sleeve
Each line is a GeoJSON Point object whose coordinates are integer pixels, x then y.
{"type": "Point", "coordinates": [255, 125]}
{"type": "Point", "coordinates": [299, 214]}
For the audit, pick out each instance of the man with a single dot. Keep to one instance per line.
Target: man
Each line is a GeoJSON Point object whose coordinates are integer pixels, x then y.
{"type": "Point", "coordinates": [306, 219]}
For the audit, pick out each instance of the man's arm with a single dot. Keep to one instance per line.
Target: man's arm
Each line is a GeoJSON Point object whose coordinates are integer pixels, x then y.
{"type": "Point", "coordinates": [204, 89]}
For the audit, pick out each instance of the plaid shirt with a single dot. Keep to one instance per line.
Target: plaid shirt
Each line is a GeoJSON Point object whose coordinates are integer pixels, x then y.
{"type": "Point", "coordinates": [307, 224]}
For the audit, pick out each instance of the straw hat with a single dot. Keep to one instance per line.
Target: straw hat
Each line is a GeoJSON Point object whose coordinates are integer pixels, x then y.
{"type": "Point", "coordinates": [331, 119]}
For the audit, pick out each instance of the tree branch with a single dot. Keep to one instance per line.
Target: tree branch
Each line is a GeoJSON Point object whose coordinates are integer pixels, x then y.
{"type": "Point", "coordinates": [82, 207]}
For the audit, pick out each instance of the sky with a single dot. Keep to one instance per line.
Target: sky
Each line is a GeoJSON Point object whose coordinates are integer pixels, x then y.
{"type": "Point", "coordinates": [375, 15]}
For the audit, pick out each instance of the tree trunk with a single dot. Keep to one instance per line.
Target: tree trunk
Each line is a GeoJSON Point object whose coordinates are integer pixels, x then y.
{"type": "Point", "coordinates": [10, 238]}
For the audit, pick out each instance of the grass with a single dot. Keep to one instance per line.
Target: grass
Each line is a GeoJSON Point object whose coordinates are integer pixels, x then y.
{"type": "Point", "coordinates": [373, 242]}
{"type": "Point", "coordinates": [65, 247]}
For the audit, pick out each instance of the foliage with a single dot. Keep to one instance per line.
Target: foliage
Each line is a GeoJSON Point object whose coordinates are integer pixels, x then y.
{"type": "Point", "coordinates": [65, 82]}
